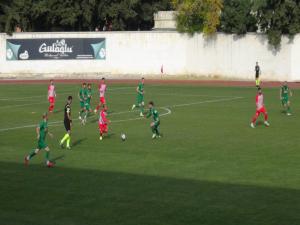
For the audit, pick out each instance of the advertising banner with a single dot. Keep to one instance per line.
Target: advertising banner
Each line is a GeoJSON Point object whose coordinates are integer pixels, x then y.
{"type": "Point", "coordinates": [56, 49]}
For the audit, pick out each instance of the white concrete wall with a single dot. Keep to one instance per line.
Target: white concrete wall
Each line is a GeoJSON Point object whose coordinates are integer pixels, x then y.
{"type": "Point", "coordinates": [165, 20]}
{"type": "Point", "coordinates": [143, 53]}
{"type": "Point", "coordinates": [234, 57]}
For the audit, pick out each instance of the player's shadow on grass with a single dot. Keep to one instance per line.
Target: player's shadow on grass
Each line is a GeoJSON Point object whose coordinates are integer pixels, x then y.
{"type": "Point", "coordinates": [94, 120]}
{"type": "Point", "coordinates": [58, 158]}
{"type": "Point", "coordinates": [112, 197]}
{"type": "Point", "coordinates": [58, 111]}
{"type": "Point", "coordinates": [78, 142]}
{"type": "Point", "coordinates": [110, 135]}
{"type": "Point", "coordinates": [260, 123]}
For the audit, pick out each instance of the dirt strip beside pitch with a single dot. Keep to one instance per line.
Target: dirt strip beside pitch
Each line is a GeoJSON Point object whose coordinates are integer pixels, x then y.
{"type": "Point", "coordinates": [221, 83]}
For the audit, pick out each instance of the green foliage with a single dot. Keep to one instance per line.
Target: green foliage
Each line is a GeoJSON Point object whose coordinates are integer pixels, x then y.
{"type": "Point", "coordinates": [276, 18]}
{"type": "Point", "coordinates": [198, 15]}
{"type": "Point", "coordinates": [273, 17]}
{"type": "Point", "coordinates": [16, 12]}
{"type": "Point", "coordinates": [74, 15]}
{"type": "Point", "coordinates": [237, 17]}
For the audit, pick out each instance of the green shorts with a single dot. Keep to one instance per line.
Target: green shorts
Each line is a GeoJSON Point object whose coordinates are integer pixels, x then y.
{"type": "Point", "coordinates": [140, 99]}
{"type": "Point", "coordinates": [87, 106]}
{"type": "Point", "coordinates": [284, 100]}
{"type": "Point", "coordinates": [156, 124]}
{"type": "Point", "coordinates": [82, 104]}
{"type": "Point", "coordinates": [42, 145]}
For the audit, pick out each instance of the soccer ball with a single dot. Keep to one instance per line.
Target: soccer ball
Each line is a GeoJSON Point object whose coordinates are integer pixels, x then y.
{"type": "Point", "coordinates": [123, 137]}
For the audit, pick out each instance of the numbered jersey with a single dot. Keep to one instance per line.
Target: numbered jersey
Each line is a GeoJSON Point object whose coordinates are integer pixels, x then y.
{"type": "Point", "coordinates": [67, 111]}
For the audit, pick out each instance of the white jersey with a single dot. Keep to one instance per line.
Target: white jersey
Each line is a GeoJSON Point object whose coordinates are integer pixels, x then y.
{"type": "Point", "coordinates": [51, 90]}
{"type": "Point", "coordinates": [259, 101]}
{"type": "Point", "coordinates": [102, 90]}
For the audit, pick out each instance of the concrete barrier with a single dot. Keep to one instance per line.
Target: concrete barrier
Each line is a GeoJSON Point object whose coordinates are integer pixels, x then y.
{"type": "Point", "coordinates": [133, 54]}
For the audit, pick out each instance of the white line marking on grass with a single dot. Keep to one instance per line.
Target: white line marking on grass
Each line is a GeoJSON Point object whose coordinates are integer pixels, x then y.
{"type": "Point", "coordinates": [28, 126]}
{"type": "Point", "coordinates": [59, 93]}
{"type": "Point", "coordinates": [28, 104]}
{"type": "Point", "coordinates": [39, 103]}
{"type": "Point", "coordinates": [207, 101]}
{"type": "Point", "coordinates": [139, 118]}
{"type": "Point", "coordinates": [184, 95]}
{"type": "Point", "coordinates": [116, 121]}
{"type": "Point", "coordinates": [35, 96]}
{"type": "Point", "coordinates": [16, 100]}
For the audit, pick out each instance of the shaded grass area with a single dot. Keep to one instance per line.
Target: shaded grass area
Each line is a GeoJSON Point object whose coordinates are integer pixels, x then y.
{"type": "Point", "coordinates": [37, 195]}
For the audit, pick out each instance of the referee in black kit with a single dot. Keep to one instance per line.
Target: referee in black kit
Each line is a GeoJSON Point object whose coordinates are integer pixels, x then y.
{"type": "Point", "coordinates": [67, 123]}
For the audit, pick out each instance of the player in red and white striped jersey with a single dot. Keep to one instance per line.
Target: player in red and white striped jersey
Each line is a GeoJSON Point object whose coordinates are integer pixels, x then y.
{"type": "Point", "coordinates": [260, 108]}
{"type": "Point", "coordinates": [51, 96]}
{"type": "Point", "coordinates": [103, 122]}
{"type": "Point", "coordinates": [102, 89]}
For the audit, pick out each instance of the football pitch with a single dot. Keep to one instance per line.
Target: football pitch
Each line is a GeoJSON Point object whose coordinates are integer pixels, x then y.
{"type": "Point", "coordinates": [209, 168]}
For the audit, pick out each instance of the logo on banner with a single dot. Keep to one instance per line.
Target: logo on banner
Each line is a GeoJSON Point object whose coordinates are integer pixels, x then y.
{"type": "Point", "coordinates": [24, 55]}
{"type": "Point", "coordinates": [58, 49]}
{"type": "Point", "coordinates": [9, 54]}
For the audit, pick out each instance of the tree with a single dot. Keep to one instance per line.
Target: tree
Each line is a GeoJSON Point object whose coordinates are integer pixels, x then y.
{"type": "Point", "coordinates": [237, 17]}
{"type": "Point", "coordinates": [14, 13]}
{"type": "Point", "coordinates": [74, 15]}
{"type": "Point", "coordinates": [198, 15]}
{"type": "Point", "coordinates": [145, 10]}
{"type": "Point", "coordinates": [276, 18]}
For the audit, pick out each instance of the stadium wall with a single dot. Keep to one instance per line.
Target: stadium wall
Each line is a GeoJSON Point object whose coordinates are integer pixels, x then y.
{"type": "Point", "coordinates": [132, 54]}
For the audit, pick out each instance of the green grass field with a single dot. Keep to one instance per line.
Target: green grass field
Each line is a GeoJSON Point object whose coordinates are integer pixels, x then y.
{"type": "Point", "coordinates": [210, 168]}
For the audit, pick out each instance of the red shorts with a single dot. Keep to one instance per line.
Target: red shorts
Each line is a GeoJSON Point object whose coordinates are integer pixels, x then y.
{"type": "Point", "coordinates": [261, 110]}
{"type": "Point", "coordinates": [103, 128]}
{"type": "Point", "coordinates": [102, 100]}
{"type": "Point", "coordinates": [51, 100]}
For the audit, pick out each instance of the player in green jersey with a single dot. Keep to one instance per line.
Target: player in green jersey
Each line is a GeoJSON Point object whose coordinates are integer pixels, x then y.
{"type": "Point", "coordinates": [82, 95]}
{"type": "Point", "coordinates": [140, 97]}
{"type": "Point", "coordinates": [156, 120]}
{"type": "Point", "coordinates": [41, 131]}
{"type": "Point", "coordinates": [89, 96]}
{"type": "Point", "coordinates": [285, 93]}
